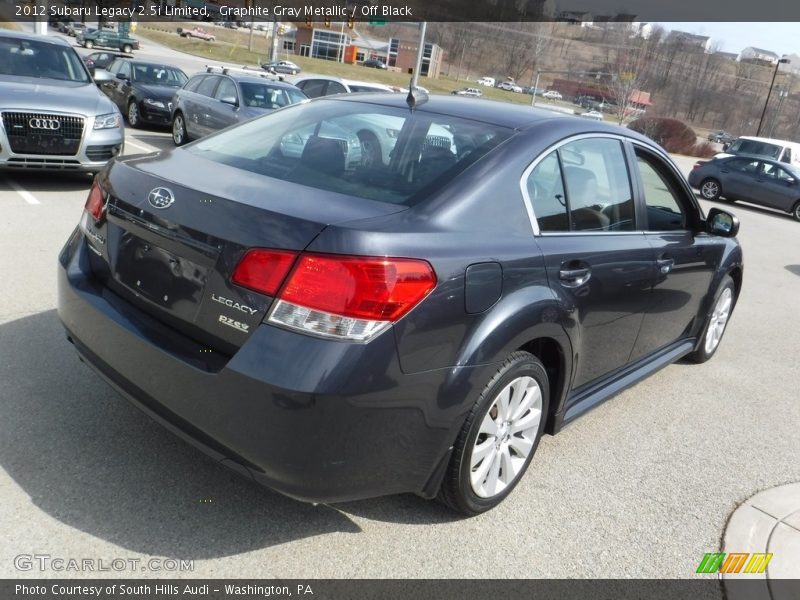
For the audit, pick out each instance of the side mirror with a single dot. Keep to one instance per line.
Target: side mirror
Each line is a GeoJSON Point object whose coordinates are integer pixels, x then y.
{"type": "Point", "coordinates": [722, 223]}
{"type": "Point", "coordinates": [122, 76]}
{"type": "Point", "coordinates": [101, 75]}
{"type": "Point", "coordinates": [229, 100]}
{"type": "Point", "coordinates": [791, 181]}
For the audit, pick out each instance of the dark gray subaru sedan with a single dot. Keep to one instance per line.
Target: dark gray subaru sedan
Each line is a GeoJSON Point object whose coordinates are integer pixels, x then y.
{"type": "Point", "coordinates": [338, 323]}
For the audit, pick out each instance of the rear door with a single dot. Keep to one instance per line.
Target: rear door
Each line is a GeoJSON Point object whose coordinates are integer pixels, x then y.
{"type": "Point", "coordinates": [739, 178]}
{"type": "Point", "coordinates": [686, 258]}
{"type": "Point", "coordinates": [199, 107]}
{"type": "Point", "coordinates": [598, 264]}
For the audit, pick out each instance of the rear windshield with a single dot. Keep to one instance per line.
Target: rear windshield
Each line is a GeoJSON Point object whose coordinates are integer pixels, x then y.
{"type": "Point", "coordinates": [31, 58]}
{"type": "Point", "coordinates": [387, 154]}
{"type": "Point", "coordinates": [755, 147]}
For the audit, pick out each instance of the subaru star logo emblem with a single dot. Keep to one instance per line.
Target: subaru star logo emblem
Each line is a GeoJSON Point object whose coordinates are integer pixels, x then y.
{"type": "Point", "coordinates": [160, 197]}
{"type": "Point", "coordinates": [51, 124]}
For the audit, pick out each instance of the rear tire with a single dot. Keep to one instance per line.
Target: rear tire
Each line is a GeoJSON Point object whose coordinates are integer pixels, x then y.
{"type": "Point", "coordinates": [710, 189]}
{"type": "Point", "coordinates": [716, 321]}
{"type": "Point", "coordinates": [796, 210]}
{"type": "Point", "coordinates": [89, 45]}
{"type": "Point", "coordinates": [498, 438]}
{"type": "Point", "coordinates": [179, 134]}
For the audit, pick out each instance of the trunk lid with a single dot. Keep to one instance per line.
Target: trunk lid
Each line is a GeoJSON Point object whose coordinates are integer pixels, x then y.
{"type": "Point", "coordinates": [175, 262]}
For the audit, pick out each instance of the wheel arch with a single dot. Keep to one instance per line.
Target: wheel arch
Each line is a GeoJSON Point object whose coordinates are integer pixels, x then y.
{"type": "Point", "coordinates": [557, 364]}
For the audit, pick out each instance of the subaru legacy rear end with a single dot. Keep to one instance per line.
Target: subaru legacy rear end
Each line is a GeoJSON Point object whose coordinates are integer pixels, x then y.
{"type": "Point", "coordinates": [246, 292]}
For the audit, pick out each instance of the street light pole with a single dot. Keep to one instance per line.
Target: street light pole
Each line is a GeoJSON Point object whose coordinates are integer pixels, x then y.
{"type": "Point", "coordinates": [769, 93]}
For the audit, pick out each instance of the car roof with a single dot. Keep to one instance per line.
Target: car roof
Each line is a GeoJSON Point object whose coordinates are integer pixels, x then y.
{"type": "Point", "coordinates": [4, 33]}
{"type": "Point", "coordinates": [503, 114]}
{"type": "Point", "coordinates": [768, 140]}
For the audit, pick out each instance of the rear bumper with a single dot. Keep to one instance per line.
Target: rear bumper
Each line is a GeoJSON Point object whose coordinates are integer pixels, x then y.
{"type": "Point", "coordinates": [317, 420]}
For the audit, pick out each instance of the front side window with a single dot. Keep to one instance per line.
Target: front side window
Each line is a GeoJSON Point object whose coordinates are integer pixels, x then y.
{"type": "Point", "coordinates": [665, 212]}
{"type": "Point", "coordinates": [381, 153]}
{"type": "Point", "coordinates": [206, 88]}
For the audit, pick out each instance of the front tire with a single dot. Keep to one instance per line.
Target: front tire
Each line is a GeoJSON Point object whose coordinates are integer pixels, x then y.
{"type": "Point", "coordinates": [134, 120]}
{"type": "Point", "coordinates": [127, 49]}
{"type": "Point", "coordinates": [499, 437]}
{"type": "Point", "coordinates": [710, 189]}
{"type": "Point", "coordinates": [88, 45]}
{"type": "Point", "coordinates": [179, 134]}
{"type": "Point", "coordinates": [716, 321]}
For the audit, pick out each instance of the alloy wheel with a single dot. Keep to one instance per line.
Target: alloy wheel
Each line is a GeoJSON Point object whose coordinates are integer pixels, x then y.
{"type": "Point", "coordinates": [710, 190]}
{"type": "Point", "coordinates": [133, 114]}
{"type": "Point", "coordinates": [178, 130]}
{"type": "Point", "coordinates": [719, 319]}
{"type": "Point", "coordinates": [506, 437]}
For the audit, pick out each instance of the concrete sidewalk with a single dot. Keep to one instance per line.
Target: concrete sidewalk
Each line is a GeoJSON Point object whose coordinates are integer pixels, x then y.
{"type": "Point", "coordinates": [768, 522]}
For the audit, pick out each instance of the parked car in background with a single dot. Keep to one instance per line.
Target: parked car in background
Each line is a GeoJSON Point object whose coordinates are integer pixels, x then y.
{"type": "Point", "coordinates": [757, 180]}
{"type": "Point", "coordinates": [593, 115]}
{"type": "Point", "coordinates": [473, 92]}
{"type": "Point", "coordinates": [338, 331]}
{"type": "Point", "coordinates": [316, 86]}
{"type": "Point", "coordinates": [552, 95]}
{"type": "Point", "coordinates": [486, 81]}
{"type": "Point", "coordinates": [63, 24]}
{"type": "Point", "coordinates": [510, 86]}
{"type": "Point", "coordinates": [75, 28]}
{"type": "Point", "coordinates": [198, 33]}
{"type": "Point", "coordinates": [102, 59]}
{"type": "Point", "coordinates": [374, 63]}
{"type": "Point", "coordinates": [780, 150]}
{"type": "Point", "coordinates": [282, 66]}
{"type": "Point", "coordinates": [221, 97]}
{"type": "Point", "coordinates": [105, 38]}
{"type": "Point", "coordinates": [53, 116]}
{"type": "Point", "coordinates": [721, 137]}
{"type": "Point", "coordinates": [142, 90]}
{"type": "Point", "coordinates": [533, 91]}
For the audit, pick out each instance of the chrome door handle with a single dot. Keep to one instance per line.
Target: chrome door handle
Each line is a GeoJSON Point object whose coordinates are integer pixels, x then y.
{"type": "Point", "coordinates": [572, 278]}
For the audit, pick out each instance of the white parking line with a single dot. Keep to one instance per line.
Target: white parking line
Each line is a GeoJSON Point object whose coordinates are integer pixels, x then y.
{"type": "Point", "coordinates": [26, 195]}
{"type": "Point", "coordinates": [140, 146]}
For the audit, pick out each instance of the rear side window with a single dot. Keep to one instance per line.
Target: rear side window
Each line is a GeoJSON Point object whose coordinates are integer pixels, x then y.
{"type": "Point", "coordinates": [583, 186]}
{"type": "Point", "coordinates": [191, 85]}
{"type": "Point", "coordinates": [381, 153]}
{"type": "Point", "coordinates": [334, 87]}
{"type": "Point", "coordinates": [226, 89]}
{"type": "Point", "coordinates": [206, 88]}
{"type": "Point", "coordinates": [314, 88]}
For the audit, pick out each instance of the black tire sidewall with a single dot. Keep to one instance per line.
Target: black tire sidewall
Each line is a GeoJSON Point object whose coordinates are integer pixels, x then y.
{"type": "Point", "coordinates": [520, 365]}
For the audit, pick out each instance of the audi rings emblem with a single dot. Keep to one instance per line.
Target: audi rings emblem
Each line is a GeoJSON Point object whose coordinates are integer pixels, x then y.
{"type": "Point", "coordinates": [160, 197]}
{"type": "Point", "coordinates": [51, 124]}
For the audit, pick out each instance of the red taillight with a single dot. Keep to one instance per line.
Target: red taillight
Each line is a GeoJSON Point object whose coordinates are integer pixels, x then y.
{"type": "Point", "coordinates": [699, 163]}
{"type": "Point", "coordinates": [96, 202]}
{"type": "Point", "coordinates": [371, 288]}
{"type": "Point", "coordinates": [263, 270]}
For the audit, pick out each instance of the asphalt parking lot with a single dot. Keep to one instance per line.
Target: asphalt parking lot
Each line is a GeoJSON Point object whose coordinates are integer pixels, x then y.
{"type": "Point", "coordinates": [640, 487]}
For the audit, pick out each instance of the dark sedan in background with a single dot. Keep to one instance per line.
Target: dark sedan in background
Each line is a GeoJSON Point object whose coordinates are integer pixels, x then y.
{"type": "Point", "coordinates": [342, 329]}
{"type": "Point", "coordinates": [143, 91]}
{"type": "Point", "coordinates": [752, 179]}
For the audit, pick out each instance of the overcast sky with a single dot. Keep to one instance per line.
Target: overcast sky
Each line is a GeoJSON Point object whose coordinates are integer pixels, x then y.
{"type": "Point", "coordinates": [781, 38]}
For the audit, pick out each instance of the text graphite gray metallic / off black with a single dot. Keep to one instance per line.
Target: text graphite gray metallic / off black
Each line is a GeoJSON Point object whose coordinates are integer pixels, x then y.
{"type": "Point", "coordinates": [52, 116]}
{"type": "Point", "coordinates": [338, 322]}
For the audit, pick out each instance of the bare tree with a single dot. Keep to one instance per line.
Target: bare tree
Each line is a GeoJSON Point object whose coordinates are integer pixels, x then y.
{"type": "Point", "coordinates": [628, 77]}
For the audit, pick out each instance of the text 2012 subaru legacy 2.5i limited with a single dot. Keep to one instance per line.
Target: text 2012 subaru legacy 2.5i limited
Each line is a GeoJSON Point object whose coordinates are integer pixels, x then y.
{"type": "Point", "coordinates": [52, 116]}
{"type": "Point", "coordinates": [336, 328]}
